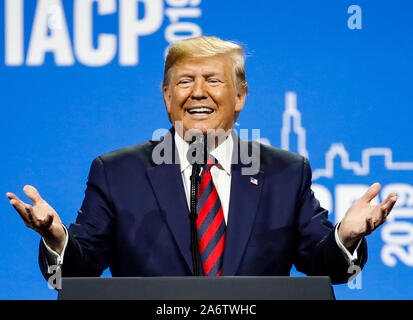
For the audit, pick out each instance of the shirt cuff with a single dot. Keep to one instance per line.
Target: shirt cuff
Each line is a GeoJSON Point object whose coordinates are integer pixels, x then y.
{"type": "Point", "coordinates": [351, 258]}
{"type": "Point", "coordinates": [53, 257]}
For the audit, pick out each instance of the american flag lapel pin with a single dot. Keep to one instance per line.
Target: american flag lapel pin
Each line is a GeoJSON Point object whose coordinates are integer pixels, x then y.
{"type": "Point", "coordinates": [253, 181]}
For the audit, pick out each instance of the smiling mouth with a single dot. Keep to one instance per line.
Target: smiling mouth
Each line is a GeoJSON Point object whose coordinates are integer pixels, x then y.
{"type": "Point", "coordinates": [202, 111]}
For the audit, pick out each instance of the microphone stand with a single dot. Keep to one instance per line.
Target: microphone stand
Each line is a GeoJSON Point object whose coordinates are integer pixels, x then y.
{"type": "Point", "coordinates": [197, 158]}
{"type": "Point", "coordinates": [193, 215]}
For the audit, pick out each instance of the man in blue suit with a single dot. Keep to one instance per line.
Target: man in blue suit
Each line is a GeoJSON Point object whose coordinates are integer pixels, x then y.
{"type": "Point", "coordinates": [134, 217]}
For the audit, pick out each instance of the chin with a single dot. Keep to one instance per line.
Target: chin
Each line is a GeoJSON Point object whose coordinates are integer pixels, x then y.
{"type": "Point", "coordinates": [203, 127]}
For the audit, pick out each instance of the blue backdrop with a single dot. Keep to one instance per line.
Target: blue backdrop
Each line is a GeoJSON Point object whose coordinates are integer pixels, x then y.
{"type": "Point", "coordinates": [326, 80]}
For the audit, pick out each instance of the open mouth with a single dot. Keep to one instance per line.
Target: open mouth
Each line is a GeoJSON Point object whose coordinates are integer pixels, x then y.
{"type": "Point", "coordinates": [200, 111]}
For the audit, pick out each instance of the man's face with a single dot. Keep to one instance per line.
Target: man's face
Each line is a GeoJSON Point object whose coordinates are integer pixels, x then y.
{"type": "Point", "coordinates": [201, 94]}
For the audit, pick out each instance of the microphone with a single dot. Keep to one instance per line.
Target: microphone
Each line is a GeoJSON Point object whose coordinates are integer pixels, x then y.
{"type": "Point", "coordinates": [198, 150]}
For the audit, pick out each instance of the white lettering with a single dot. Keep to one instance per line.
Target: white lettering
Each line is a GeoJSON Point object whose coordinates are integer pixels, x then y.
{"type": "Point", "coordinates": [83, 33]}
{"type": "Point", "coordinates": [14, 42]}
{"type": "Point", "coordinates": [399, 232]}
{"type": "Point", "coordinates": [131, 27]}
{"type": "Point", "coordinates": [50, 34]}
{"type": "Point", "coordinates": [54, 17]}
{"type": "Point", "coordinates": [182, 30]}
{"type": "Point", "coordinates": [405, 255]}
{"type": "Point", "coordinates": [58, 42]}
{"type": "Point", "coordinates": [177, 30]}
{"type": "Point", "coordinates": [175, 14]}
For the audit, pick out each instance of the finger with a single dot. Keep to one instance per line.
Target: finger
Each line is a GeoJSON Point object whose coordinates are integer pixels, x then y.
{"type": "Point", "coordinates": [12, 196]}
{"type": "Point", "coordinates": [15, 201]}
{"type": "Point", "coordinates": [389, 204]}
{"type": "Point", "coordinates": [371, 192]}
{"type": "Point", "coordinates": [21, 209]}
{"type": "Point", "coordinates": [381, 211]}
{"type": "Point", "coordinates": [32, 193]}
{"type": "Point", "coordinates": [389, 197]}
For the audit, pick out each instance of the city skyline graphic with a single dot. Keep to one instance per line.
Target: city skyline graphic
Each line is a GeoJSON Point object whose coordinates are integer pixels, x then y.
{"type": "Point", "coordinates": [292, 115]}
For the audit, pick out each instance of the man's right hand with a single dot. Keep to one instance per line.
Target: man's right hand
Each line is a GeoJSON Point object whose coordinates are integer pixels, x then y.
{"type": "Point", "coordinates": [40, 217]}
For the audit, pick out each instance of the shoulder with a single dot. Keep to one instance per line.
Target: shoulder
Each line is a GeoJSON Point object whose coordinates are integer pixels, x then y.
{"type": "Point", "coordinates": [271, 154]}
{"type": "Point", "coordinates": [289, 165]}
{"type": "Point", "coordinates": [274, 159]}
{"type": "Point", "coordinates": [139, 154]}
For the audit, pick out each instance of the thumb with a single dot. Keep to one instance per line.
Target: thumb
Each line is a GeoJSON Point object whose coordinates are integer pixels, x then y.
{"type": "Point", "coordinates": [371, 192]}
{"type": "Point", "coordinates": [32, 193]}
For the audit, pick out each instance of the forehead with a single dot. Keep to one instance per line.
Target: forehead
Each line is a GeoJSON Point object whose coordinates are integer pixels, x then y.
{"type": "Point", "coordinates": [206, 65]}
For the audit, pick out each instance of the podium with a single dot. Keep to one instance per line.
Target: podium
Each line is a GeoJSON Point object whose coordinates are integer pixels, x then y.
{"type": "Point", "coordinates": [197, 288]}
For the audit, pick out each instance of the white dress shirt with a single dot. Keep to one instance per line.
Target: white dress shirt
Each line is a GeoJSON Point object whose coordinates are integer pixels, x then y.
{"type": "Point", "coordinates": [221, 172]}
{"type": "Point", "coordinates": [221, 176]}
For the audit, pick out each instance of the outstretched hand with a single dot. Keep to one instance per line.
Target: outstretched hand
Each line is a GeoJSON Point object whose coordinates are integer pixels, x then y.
{"type": "Point", "coordinates": [362, 219]}
{"type": "Point", "coordinates": [40, 217]}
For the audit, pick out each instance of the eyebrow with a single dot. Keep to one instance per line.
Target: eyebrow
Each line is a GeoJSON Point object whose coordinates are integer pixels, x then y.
{"type": "Point", "coordinates": [209, 74]}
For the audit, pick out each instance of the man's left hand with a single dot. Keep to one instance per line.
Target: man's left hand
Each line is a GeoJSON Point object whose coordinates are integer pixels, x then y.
{"type": "Point", "coordinates": [362, 218]}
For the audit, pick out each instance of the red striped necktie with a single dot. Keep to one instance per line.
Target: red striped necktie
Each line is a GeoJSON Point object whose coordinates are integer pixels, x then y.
{"type": "Point", "coordinates": [210, 224]}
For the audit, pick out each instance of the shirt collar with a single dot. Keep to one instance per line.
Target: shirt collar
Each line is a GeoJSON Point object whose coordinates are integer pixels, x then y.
{"type": "Point", "coordinates": [223, 153]}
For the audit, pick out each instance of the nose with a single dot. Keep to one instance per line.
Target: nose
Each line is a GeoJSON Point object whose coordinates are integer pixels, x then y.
{"type": "Point", "coordinates": [199, 90]}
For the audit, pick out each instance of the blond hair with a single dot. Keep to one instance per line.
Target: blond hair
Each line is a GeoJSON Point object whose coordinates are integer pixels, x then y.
{"type": "Point", "coordinates": [202, 47]}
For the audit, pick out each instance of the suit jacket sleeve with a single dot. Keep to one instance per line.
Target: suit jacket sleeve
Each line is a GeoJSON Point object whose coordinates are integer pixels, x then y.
{"type": "Point", "coordinates": [317, 256]}
{"type": "Point", "coordinates": [91, 237]}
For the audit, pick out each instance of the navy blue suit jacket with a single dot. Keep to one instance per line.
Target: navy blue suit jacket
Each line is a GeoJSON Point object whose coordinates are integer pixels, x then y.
{"type": "Point", "coordinates": [134, 220]}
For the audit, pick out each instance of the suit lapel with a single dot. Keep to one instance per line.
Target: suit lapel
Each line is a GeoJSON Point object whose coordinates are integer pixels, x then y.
{"type": "Point", "coordinates": [167, 185]}
{"type": "Point", "coordinates": [166, 181]}
{"type": "Point", "coordinates": [244, 199]}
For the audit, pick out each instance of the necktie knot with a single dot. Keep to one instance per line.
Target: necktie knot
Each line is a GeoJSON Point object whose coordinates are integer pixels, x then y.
{"type": "Point", "coordinates": [211, 161]}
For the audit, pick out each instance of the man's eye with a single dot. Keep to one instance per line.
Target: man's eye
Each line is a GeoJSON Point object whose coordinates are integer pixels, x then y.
{"type": "Point", "coordinates": [214, 81]}
{"type": "Point", "coordinates": [184, 82]}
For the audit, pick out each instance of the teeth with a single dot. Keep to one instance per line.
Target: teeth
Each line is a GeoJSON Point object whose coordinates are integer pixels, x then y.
{"type": "Point", "coordinates": [200, 110]}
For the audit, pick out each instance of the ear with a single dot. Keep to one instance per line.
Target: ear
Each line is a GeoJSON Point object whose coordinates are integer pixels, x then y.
{"type": "Point", "coordinates": [239, 104]}
{"type": "Point", "coordinates": [240, 101]}
{"type": "Point", "coordinates": [167, 98]}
